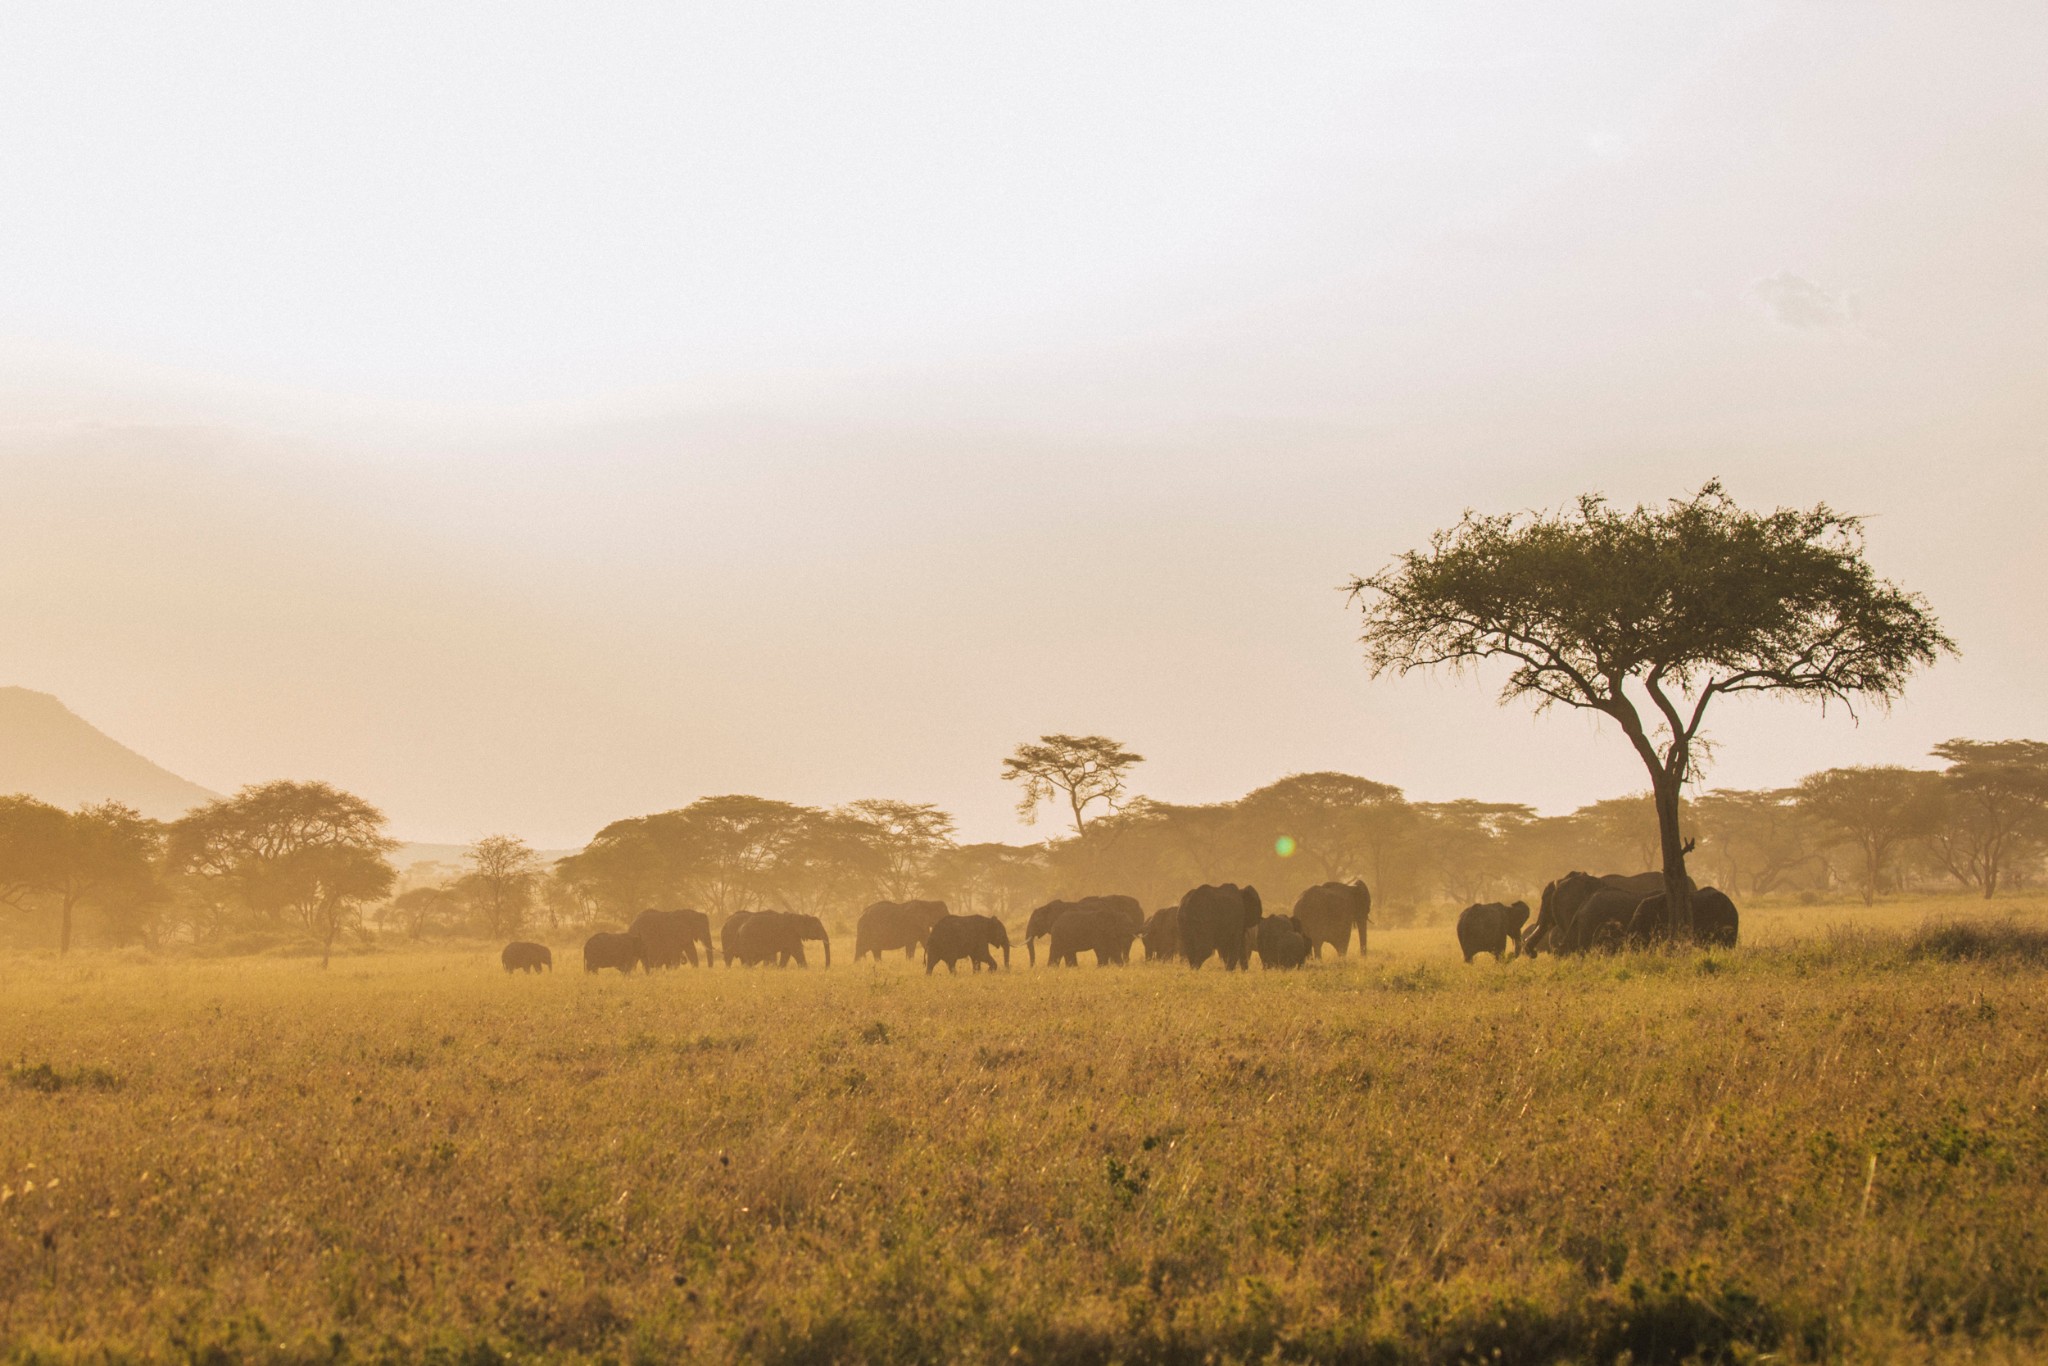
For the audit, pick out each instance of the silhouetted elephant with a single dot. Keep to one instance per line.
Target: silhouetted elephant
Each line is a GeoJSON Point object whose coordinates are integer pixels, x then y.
{"type": "Point", "coordinates": [1557, 925]}
{"type": "Point", "coordinates": [1489, 927]}
{"type": "Point", "coordinates": [1162, 934]}
{"type": "Point", "coordinates": [1602, 922]}
{"type": "Point", "coordinates": [1045, 917]}
{"type": "Point", "coordinates": [1105, 931]}
{"type": "Point", "coordinates": [608, 950]}
{"type": "Point", "coordinates": [1329, 912]}
{"type": "Point", "coordinates": [728, 934]}
{"type": "Point", "coordinates": [1281, 942]}
{"type": "Point", "coordinates": [966, 936]}
{"type": "Point", "coordinates": [671, 937]}
{"type": "Point", "coordinates": [1715, 923]}
{"type": "Point", "coordinates": [890, 925]}
{"type": "Point", "coordinates": [522, 956]}
{"type": "Point", "coordinates": [1214, 920]}
{"type": "Point", "coordinates": [777, 936]}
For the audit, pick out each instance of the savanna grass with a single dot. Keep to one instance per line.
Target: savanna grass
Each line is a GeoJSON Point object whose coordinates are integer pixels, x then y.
{"type": "Point", "coordinates": [1820, 1147]}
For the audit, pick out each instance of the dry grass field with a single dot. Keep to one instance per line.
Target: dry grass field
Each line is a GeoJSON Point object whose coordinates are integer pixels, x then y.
{"type": "Point", "coordinates": [1828, 1144]}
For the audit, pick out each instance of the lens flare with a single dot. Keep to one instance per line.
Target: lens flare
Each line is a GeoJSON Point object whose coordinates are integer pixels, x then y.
{"type": "Point", "coordinates": [1284, 846]}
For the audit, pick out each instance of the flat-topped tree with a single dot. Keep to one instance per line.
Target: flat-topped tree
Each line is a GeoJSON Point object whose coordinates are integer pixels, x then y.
{"type": "Point", "coordinates": [1648, 615]}
{"type": "Point", "coordinates": [1084, 769]}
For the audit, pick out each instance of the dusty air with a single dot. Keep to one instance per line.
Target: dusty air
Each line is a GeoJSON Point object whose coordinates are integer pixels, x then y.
{"type": "Point", "coordinates": [1072, 684]}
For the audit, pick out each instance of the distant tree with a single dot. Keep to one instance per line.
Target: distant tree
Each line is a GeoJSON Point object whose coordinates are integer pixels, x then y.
{"type": "Point", "coordinates": [1165, 847]}
{"type": "Point", "coordinates": [287, 853]}
{"type": "Point", "coordinates": [1648, 616]}
{"type": "Point", "coordinates": [1082, 769]}
{"type": "Point", "coordinates": [499, 887]}
{"type": "Point", "coordinates": [1879, 810]}
{"type": "Point", "coordinates": [102, 855]}
{"type": "Point", "coordinates": [1623, 828]}
{"type": "Point", "coordinates": [1470, 844]}
{"type": "Point", "coordinates": [720, 854]}
{"type": "Point", "coordinates": [419, 911]}
{"type": "Point", "coordinates": [1758, 838]}
{"type": "Point", "coordinates": [1003, 880]}
{"type": "Point", "coordinates": [905, 839]}
{"type": "Point", "coordinates": [1339, 825]}
{"type": "Point", "coordinates": [1997, 806]}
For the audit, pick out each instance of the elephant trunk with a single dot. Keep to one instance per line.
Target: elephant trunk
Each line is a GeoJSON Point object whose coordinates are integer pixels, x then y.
{"type": "Point", "coordinates": [1006, 951]}
{"type": "Point", "coordinates": [826, 940]}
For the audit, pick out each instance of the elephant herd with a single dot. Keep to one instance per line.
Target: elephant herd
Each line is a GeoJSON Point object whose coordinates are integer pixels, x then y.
{"type": "Point", "coordinates": [1577, 912]}
{"type": "Point", "coordinates": [1227, 922]}
{"type": "Point", "coordinates": [1580, 912]}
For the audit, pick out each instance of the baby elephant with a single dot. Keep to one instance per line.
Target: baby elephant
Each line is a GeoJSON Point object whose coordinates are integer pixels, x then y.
{"type": "Point", "coordinates": [1281, 943]}
{"type": "Point", "coordinates": [1490, 927]}
{"type": "Point", "coordinates": [522, 956]}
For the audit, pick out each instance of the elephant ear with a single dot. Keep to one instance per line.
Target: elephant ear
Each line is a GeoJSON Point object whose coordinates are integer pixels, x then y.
{"type": "Point", "coordinates": [1255, 909]}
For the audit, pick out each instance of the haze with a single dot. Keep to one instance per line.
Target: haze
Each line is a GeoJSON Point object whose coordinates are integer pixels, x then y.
{"type": "Point", "coordinates": [534, 416]}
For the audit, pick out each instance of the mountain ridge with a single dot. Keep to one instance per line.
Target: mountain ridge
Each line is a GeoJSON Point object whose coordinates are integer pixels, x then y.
{"type": "Point", "coordinates": [53, 754]}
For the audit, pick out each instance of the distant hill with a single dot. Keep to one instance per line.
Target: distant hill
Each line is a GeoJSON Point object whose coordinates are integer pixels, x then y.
{"type": "Point", "coordinates": [50, 752]}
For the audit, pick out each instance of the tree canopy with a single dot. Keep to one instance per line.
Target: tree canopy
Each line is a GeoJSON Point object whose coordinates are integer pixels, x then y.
{"type": "Point", "coordinates": [304, 854]}
{"type": "Point", "coordinates": [1084, 769]}
{"type": "Point", "coordinates": [1647, 615]}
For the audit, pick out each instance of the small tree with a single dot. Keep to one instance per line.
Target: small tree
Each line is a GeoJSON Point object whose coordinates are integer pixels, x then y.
{"type": "Point", "coordinates": [1648, 616]}
{"type": "Point", "coordinates": [1878, 809]}
{"type": "Point", "coordinates": [1084, 769]}
{"type": "Point", "coordinates": [499, 886]}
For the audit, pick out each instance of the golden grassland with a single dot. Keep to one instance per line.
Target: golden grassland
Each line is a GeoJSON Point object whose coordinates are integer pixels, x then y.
{"type": "Point", "coordinates": [1827, 1144]}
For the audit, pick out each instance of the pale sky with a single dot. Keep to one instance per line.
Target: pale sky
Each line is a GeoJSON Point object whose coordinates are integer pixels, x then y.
{"type": "Point", "coordinates": [529, 416]}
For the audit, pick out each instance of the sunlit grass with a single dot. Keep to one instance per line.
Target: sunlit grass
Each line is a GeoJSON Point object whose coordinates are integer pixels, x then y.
{"type": "Point", "coordinates": [1832, 1142]}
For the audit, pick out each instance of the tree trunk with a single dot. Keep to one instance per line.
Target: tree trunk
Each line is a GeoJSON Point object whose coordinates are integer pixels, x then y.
{"type": "Point", "coordinates": [1677, 886]}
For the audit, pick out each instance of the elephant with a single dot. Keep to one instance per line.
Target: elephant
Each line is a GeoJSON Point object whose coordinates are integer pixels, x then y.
{"type": "Point", "coordinates": [1715, 922]}
{"type": "Point", "coordinates": [889, 925]}
{"type": "Point", "coordinates": [523, 956]}
{"type": "Point", "coordinates": [1328, 912]}
{"type": "Point", "coordinates": [1602, 922]}
{"type": "Point", "coordinates": [1162, 934]}
{"type": "Point", "coordinates": [672, 937]}
{"type": "Point", "coordinates": [966, 936]}
{"type": "Point", "coordinates": [1282, 942]}
{"type": "Point", "coordinates": [608, 950]}
{"type": "Point", "coordinates": [1489, 927]}
{"type": "Point", "coordinates": [1214, 920]}
{"type": "Point", "coordinates": [1557, 913]}
{"type": "Point", "coordinates": [728, 934]}
{"type": "Point", "coordinates": [1045, 917]}
{"type": "Point", "coordinates": [776, 936]}
{"type": "Point", "coordinates": [1105, 931]}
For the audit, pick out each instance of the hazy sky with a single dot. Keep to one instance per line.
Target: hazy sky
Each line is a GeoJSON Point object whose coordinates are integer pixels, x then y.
{"type": "Point", "coordinates": [528, 416]}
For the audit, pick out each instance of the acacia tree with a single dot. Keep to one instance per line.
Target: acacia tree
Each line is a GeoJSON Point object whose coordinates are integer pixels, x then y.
{"type": "Point", "coordinates": [1878, 809]}
{"type": "Point", "coordinates": [102, 855]}
{"type": "Point", "coordinates": [287, 852]}
{"type": "Point", "coordinates": [1647, 616]}
{"type": "Point", "coordinates": [1341, 823]}
{"type": "Point", "coordinates": [1998, 800]}
{"type": "Point", "coordinates": [500, 884]}
{"type": "Point", "coordinates": [1760, 838]}
{"type": "Point", "coordinates": [1084, 769]}
{"type": "Point", "coordinates": [903, 840]}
